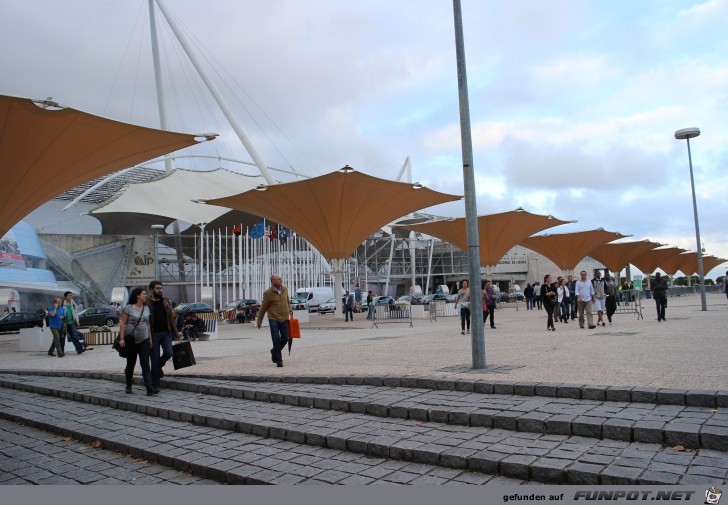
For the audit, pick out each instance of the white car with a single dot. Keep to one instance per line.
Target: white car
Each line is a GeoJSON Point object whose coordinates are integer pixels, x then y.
{"type": "Point", "coordinates": [328, 306]}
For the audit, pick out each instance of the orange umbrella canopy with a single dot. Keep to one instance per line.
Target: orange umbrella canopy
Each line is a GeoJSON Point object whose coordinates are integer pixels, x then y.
{"type": "Point", "coordinates": [682, 262]}
{"type": "Point", "coordinates": [617, 256]}
{"type": "Point", "coordinates": [568, 249]}
{"type": "Point", "coordinates": [648, 261]}
{"type": "Point", "coordinates": [335, 212]}
{"type": "Point", "coordinates": [46, 151]}
{"type": "Point", "coordinates": [690, 265]}
{"type": "Point", "coordinates": [497, 233]}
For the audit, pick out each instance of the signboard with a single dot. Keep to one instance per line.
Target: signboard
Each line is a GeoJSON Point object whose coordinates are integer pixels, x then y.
{"type": "Point", "coordinates": [10, 256]}
{"type": "Point", "coordinates": [637, 283]}
{"type": "Point", "coordinates": [512, 264]}
{"type": "Point", "coordinates": [142, 269]}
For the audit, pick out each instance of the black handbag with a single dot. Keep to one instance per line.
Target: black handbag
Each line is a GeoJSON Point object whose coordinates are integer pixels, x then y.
{"type": "Point", "coordinates": [182, 355]}
{"type": "Point", "coordinates": [121, 350]}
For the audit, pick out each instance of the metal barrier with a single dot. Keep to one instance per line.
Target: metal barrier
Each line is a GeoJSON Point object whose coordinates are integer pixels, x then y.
{"type": "Point", "coordinates": [630, 302]}
{"type": "Point", "coordinates": [396, 313]}
{"type": "Point", "coordinates": [441, 308]}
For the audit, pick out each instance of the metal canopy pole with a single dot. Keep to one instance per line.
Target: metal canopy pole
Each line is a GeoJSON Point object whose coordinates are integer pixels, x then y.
{"type": "Point", "coordinates": [471, 211]}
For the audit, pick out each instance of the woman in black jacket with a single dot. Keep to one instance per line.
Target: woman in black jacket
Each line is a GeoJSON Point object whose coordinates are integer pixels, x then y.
{"type": "Point", "coordinates": [548, 295]}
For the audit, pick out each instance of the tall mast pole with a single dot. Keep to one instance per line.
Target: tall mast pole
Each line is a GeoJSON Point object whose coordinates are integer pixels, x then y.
{"type": "Point", "coordinates": [216, 95]}
{"type": "Point", "coordinates": [168, 165]}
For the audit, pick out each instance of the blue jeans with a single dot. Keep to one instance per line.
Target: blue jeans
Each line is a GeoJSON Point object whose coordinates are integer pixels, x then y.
{"type": "Point", "coordinates": [530, 302]}
{"type": "Point", "coordinates": [661, 303]}
{"type": "Point", "coordinates": [370, 311]}
{"type": "Point", "coordinates": [565, 306]}
{"type": "Point", "coordinates": [74, 337]}
{"type": "Point", "coordinates": [163, 340]}
{"type": "Point", "coordinates": [279, 335]}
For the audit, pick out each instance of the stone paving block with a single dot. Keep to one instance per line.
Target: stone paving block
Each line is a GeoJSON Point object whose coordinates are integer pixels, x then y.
{"type": "Point", "coordinates": [525, 388]}
{"type": "Point", "coordinates": [714, 437]}
{"type": "Point", "coordinates": [533, 422]}
{"type": "Point", "coordinates": [483, 387]}
{"type": "Point", "coordinates": [503, 388]}
{"type": "Point", "coordinates": [697, 480]}
{"type": "Point", "coordinates": [621, 475]}
{"type": "Point", "coordinates": [644, 395]}
{"type": "Point", "coordinates": [618, 394]}
{"type": "Point", "coordinates": [598, 393]}
{"type": "Point", "coordinates": [559, 425]}
{"type": "Point", "coordinates": [671, 396]}
{"type": "Point", "coordinates": [585, 426]}
{"type": "Point", "coordinates": [721, 399]}
{"type": "Point", "coordinates": [506, 420]}
{"type": "Point", "coordinates": [678, 433]}
{"type": "Point", "coordinates": [546, 389]}
{"type": "Point", "coordinates": [486, 461]}
{"type": "Point", "coordinates": [701, 398]}
{"type": "Point", "coordinates": [569, 391]}
{"type": "Point", "coordinates": [465, 385]}
{"type": "Point", "coordinates": [617, 429]}
{"type": "Point", "coordinates": [517, 466]}
{"type": "Point", "coordinates": [482, 417]}
{"type": "Point", "coordinates": [550, 470]}
{"type": "Point", "coordinates": [456, 457]}
{"type": "Point", "coordinates": [648, 432]}
{"type": "Point", "coordinates": [716, 473]}
{"type": "Point", "coordinates": [651, 477]}
{"type": "Point", "coordinates": [461, 415]}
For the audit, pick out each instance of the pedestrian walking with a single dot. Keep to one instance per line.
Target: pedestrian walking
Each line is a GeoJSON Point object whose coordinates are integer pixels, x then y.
{"type": "Point", "coordinates": [528, 294]}
{"type": "Point", "coordinates": [548, 298]}
{"type": "Point", "coordinates": [164, 330]}
{"type": "Point", "coordinates": [585, 297]}
{"type": "Point", "coordinates": [136, 335]}
{"type": "Point", "coordinates": [600, 296]}
{"type": "Point", "coordinates": [277, 305]}
{"type": "Point", "coordinates": [348, 306]}
{"type": "Point", "coordinates": [659, 293]}
{"type": "Point", "coordinates": [573, 304]}
{"type": "Point", "coordinates": [611, 301]}
{"type": "Point", "coordinates": [70, 319]}
{"type": "Point", "coordinates": [55, 323]}
{"type": "Point", "coordinates": [489, 304]}
{"type": "Point", "coordinates": [370, 304]}
{"type": "Point", "coordinates": [463, 301]}
{"type": "Point", "coordinates": [562, 294]}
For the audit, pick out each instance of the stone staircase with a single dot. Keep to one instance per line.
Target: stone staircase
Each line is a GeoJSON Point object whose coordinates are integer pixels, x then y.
{"type": "Point", "coordinates": [372, 430]}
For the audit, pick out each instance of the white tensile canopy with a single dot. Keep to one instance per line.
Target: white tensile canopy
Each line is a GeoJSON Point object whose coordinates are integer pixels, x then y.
{"type": "Point", "coordinates": [174, 196]}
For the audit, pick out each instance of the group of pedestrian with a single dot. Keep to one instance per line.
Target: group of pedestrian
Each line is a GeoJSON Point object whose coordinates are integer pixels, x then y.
{"type": "Point", "coordinates": [146, 328]}
{"type": "Point", "coordinates": [63, 323]}
{"type": "Point", "coordinates": [462, 303]}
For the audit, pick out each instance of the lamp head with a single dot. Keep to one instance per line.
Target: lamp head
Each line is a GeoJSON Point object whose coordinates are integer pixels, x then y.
{"type": "Point", "coordinates": [687, 133]}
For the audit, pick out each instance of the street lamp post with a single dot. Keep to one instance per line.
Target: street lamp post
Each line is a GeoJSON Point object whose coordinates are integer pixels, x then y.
{"type": "Point", "coordinates": [687, 134]}
{"type": "Point", "coordinates": [157, 271]}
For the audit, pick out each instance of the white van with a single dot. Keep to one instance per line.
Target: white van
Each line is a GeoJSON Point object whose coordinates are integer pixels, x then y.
{"type": "Point", "coordinates": [314, 296]}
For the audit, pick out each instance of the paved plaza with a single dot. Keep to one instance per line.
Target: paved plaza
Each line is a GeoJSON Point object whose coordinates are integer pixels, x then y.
{"type": "Point", "coordinates": [635, 402]}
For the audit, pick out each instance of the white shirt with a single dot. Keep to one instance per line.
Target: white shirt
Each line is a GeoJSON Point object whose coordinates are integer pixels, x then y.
{"type": "Point", "coordinates": [584, 290]}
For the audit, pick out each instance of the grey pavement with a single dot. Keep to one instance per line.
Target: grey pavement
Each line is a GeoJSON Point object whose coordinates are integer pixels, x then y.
{"type": "Point", "coordinates": [638, 402]}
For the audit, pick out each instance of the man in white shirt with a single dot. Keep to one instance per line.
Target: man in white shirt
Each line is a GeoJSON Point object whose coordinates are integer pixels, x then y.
{"type": "Point", "coordinates": [585, 297]}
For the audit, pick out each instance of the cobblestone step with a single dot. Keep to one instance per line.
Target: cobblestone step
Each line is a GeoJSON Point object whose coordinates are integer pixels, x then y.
{"type": "Point", "coordinates": [188, 450]}
{"type": "Point", "coordinates": [32, 456]}
{"type": "Point", "coordinates": [495, 451]}
{"type": "Point", "coordinates": [691, 427]}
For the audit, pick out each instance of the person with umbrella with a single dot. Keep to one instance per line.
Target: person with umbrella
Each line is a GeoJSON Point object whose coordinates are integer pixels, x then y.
{"type": "Point", "coordinates": [277, 305]}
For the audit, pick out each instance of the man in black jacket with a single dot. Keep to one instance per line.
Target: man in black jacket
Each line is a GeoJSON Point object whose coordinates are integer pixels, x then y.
{"type": "Point", "coordinates": [659, 293]}
{"type": "Point", "coordinates": [164, 329]}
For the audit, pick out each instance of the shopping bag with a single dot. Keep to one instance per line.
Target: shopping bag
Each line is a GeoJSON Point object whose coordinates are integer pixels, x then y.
{"type": "Point", "coordinates": [182, 355]}
{"type": "Point", "coordinates": [294, 328]}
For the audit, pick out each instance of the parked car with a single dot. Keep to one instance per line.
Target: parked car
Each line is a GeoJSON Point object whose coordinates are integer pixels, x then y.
{"type": "Point", "coordinates": [188, 308]}
{"type": "Point", "coordinates": [328, 306]}
{"type": "Point", "coordinates": [98, 316]}
{"type": "Point", "coordinates": [516, 296]}
{"type": "Point", "coordinates": [411, 299]}
{"type": "Point", "coordinates": [436, 297]}
{"type": "Point", "coordinates": [14, 321]}
{"type": "Point", "coordinates": [299, 304]}
{"type": "Point", "coordinates": [383, 300]}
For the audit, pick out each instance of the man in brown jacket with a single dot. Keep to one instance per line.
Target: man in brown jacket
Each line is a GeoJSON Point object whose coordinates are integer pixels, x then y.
{"type": "Point", "coordinates": [277, 304]}
{"type": "Point", "coordinates": [161, 322]}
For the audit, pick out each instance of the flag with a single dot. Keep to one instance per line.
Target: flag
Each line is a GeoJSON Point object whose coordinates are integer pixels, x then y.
{"type": "Point", "coordinates": [283, 234]}
{"type": "Point", "coordinates": [273, 232]}
{"type": "Point", "coordinates": [257, 231]}
{"type": "Point", "coordinates": [237, 230]}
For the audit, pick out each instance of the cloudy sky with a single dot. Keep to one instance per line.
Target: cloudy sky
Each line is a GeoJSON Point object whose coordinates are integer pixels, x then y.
{"type": "Point", "coordinates": [573, 104]}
